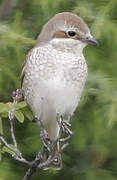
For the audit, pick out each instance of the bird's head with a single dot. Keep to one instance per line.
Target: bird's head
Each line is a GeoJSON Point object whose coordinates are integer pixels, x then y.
{"type": "Point", "coordinates": [67, 30]}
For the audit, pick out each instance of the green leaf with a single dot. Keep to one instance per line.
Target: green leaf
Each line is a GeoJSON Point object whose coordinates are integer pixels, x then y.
{"type": "Point", "coordinates": [19, 116]}
{"type": "Point", "coordinates": [4, 107]}
{"type": "Point", "coordinates": [5, 149]}
{"type": "Point", "coordinates": [28, 113]}
{"type": "Point", "coordinates": [4, 115]}
{"type": "Point", "coordinates": [20, 105]}
{"type": "Point", "coordinates": [1, 128]}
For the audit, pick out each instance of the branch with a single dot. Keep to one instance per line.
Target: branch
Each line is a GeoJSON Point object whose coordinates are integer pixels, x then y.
{"type": "Point", "coordinates": [17, 154]}
{"type": "Point", "coordinates": [16, 151]}
{"type": "Point", "coordinates": [33, 168]}
{"type": "Point", "coordinates": [39, 162]}
{"type": "Point", "coordinates": [38, 165]}
{"type": "Point", "coordinates": [17, 95]}
{"type": "Point", "coordinates": [11, 119]}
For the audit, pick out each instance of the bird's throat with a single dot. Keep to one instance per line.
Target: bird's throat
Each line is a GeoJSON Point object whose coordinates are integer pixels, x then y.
{"type": "Point", "coordinates": [72, 45]}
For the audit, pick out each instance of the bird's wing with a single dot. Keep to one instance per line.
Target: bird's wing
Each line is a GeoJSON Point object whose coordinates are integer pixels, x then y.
{"type": "Point", "coordinates": [23, 67]}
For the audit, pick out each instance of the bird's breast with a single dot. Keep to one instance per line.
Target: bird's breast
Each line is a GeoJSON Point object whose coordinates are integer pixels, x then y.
{"type": "Point", "coordinates": [54, 78]}
{"type": "Point", "coordinates": [47, 62]}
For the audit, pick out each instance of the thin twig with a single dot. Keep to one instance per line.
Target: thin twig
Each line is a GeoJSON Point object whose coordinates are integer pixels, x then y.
{"type": "Point", "coordinates": [64, 146]}
{"type": "Point", "coordinates": [34, 165]}
{"type": "Point", "coordinates": [47, 163]}
{"type": "Point", "coordinates": [16, 151]}
{"type": "Point", "coordinates": [17, 154]}
{"type": "Point", "coordinates": [32, 170]}
{"type": "Point", "coordinates": [23, 160]}
{"type": "Point", "coordinates": [17, 96]}
{"type": "Point", "coordinates": [38, 163]}
{"type": "Point", "coordinates": [11, 119]}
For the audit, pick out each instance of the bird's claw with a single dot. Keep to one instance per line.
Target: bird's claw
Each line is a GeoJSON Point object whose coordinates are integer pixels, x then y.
{"type": "Point", "coordinates": [45, 140]}
{"type": "Point", "coordinates": [44, 135]}
{"type": "Point", "coordinates": [65, 127]}
{"type": "Point", "coordinates": [65, 139]}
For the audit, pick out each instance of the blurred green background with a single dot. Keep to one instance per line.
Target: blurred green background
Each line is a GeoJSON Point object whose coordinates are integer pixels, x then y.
{"type": "Point", "coordinates": [92, 153]}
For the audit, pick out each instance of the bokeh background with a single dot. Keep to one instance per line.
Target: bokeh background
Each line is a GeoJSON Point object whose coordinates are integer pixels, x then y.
{"type": "Point", "coordinates": [92, 153]}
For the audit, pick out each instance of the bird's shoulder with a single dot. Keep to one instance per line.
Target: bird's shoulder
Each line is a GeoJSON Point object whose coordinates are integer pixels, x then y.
{"type": "Point", "coordinates": [32, 54]}
{"type": "Point", "coordinates": [37, 53]}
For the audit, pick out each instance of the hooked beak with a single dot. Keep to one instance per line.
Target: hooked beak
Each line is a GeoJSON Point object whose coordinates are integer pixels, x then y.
{"type": "Point", "coordinates": [91, 41]}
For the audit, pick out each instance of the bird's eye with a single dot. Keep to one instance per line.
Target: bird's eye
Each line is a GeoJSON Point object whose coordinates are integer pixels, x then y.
{"type": "Point", "coordinates": [71, 33]}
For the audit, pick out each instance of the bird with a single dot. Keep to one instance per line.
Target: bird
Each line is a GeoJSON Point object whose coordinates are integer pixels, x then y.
{"type": "Point", "coordinates": [55, 72]}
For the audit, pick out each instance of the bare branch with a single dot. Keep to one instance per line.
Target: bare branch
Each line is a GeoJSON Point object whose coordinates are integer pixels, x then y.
{"type": "Point", "coordinates": [37, 165]}
{"type": "Point", "coordinates": [17, 96]}
{"type": "Point", "coordinates": [48, 162]}
{"type": "Point", "coordinates": [11, 119]}
{"type": "Point", "coordinates": [32, 169]}
{"type": "Point", "coordinates": [17, 154]}
{"type": "Point", "coordinates": [16, 151]}
{"type": "Point", "coordinates": [23, 160]}
{"type": "Point", "coordinates": [39, 162]}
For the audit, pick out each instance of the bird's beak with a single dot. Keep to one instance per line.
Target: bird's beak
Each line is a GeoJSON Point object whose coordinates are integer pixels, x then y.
{"type": "Point", "coordinates": [91, 41]}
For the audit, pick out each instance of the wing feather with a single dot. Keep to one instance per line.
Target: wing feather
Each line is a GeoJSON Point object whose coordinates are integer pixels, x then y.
{"type": "Point", "coordinates": [23, 67]}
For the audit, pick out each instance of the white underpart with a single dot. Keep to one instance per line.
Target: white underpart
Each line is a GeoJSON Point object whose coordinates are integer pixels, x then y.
{"type": "Point", "coordinates": [55, 75]}
{"type": "Point", "coordinates": [76, 46]}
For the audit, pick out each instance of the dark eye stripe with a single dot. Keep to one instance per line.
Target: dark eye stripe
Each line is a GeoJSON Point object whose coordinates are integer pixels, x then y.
{"type": "Point", "coordinates": [71, 33]}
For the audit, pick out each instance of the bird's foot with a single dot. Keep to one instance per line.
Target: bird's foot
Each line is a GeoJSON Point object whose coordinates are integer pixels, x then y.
{"type": "Point", "coordinates": [65, 129]}
{"type": "Point", "coordinates": [45, 140]}
{"type": "Point", "coordinates": [44, 135]}
{"type": "Point", "coordinates": [53, 156]}
{"type": "Point", "coordinates": [55, 162]}
{"type": "Point", "coordinates": [63, 142]}
{"type": "Point", "coordinates": [64, 125]}
{"type": "Point", "coordinates": [65, 139]}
